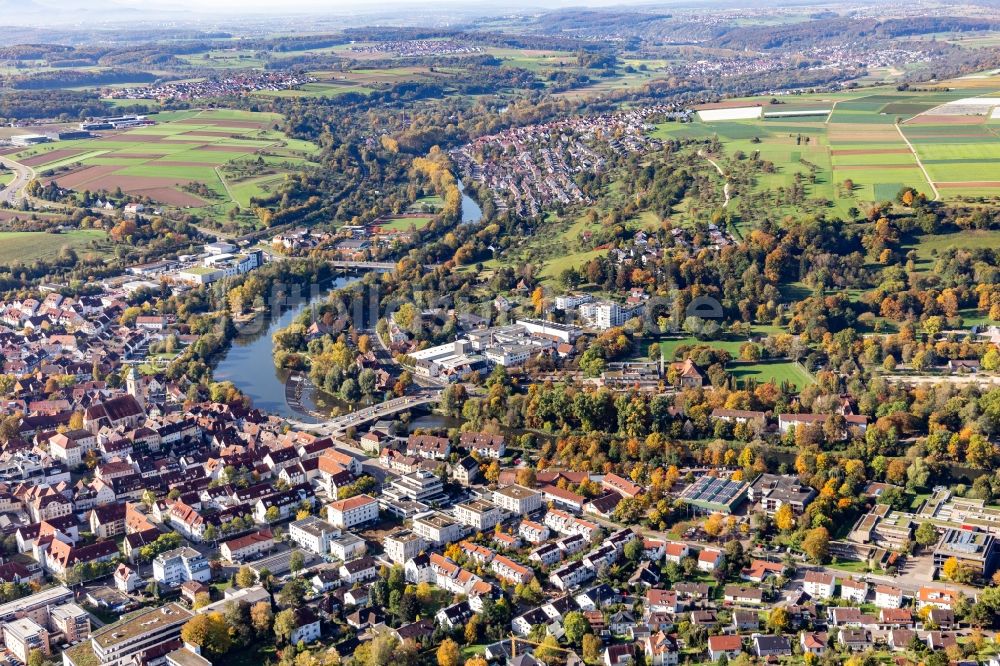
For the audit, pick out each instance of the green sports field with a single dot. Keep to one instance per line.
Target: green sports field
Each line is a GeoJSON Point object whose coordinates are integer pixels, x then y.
{"type": "Point", "coordinates": [771, 371]}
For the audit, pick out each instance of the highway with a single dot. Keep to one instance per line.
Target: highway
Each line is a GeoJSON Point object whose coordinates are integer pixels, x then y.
{"type": "Point", "coordinates": [23, 174]}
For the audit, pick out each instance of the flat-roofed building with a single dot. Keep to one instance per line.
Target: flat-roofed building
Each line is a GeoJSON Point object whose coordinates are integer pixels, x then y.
{"type": "Point", "coordinates": [24, 636]}
{"type": "Point", "coordinates": [118, 643]}
{"type": "Point", "coordinates": [971, 548]}
{"type": "Point", "coordinates": [419, 486]}
{"type": "Point", "coordinates": [517, 499]}
{"type": "Point", "coordinates": [437, 528]}
{"type": "Point", "coordinates": [181, 565]}
{"type": "Point", "coordinates": [232, 595]}
{"type": "Point", "coordinates": [72, 621]}
{"type": "Point", "coordinates": [402, 546]}
{"type": "Point", "coordinates": [478, 514]}
{"type": "Point", "coordinates": [36, 606]}
{"type": "Point", "coordinates": [186, 657]}
{"type": "Point", "coordinates": [314, 534]}
{"type": "Point", "coordinates": [713, 494]}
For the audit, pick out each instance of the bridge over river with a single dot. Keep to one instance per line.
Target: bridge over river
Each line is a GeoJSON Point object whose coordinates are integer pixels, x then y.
{"type": "Point", "coordinates": [339, 424]}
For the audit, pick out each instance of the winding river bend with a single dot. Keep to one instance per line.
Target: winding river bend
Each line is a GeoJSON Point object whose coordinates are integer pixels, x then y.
{"type": "Point", "coordinates": [249, 361]}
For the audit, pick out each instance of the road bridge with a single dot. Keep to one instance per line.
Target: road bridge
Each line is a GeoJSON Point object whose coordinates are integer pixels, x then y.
{"type": "Point", "coordinates": [339, 424]}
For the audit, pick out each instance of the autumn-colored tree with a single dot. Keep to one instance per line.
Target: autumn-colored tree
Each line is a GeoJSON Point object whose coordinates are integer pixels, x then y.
{"type": "Point", "coordinates": [448, 653]}
{"type": "Point", "coordinates": [956, 571]}
{"type": "Point", "coordinates": [425, 593]}
{"type": "Point", "coordinates": [261, 616]}
{"type": "Point", "coordinates": [784, 518]}
{"type": "Point", "coordinates": [472, 630]}
{"type": "Point", "coordinates": [538, 299]}
{"type": "Point", "coordinates": [714, 525]}
{"type": "Point", "coordinates": [285, 625]}
{"type": "Point", "coordinates": [592, 649]}
{"type": "Point", "coordinates": [208, 631]}
{"type": "Point", "coordinates": [123, 230]}
{"type": "Point", "coordinates": [526, 477]}
{"type": "Point", "coordinates": [549, 651]}
{"type": "Point", "coordinates": [778, 620]}
{"type": "Point", "coordinates": [816, 545]}
{"type": "Point", "coordinates": [493, 472]}
{"type": "Point", "coordinates": [246, 577]}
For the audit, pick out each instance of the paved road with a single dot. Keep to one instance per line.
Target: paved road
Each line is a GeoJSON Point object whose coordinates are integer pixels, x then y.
{"type": "Point", "coordinates": [12, 192]}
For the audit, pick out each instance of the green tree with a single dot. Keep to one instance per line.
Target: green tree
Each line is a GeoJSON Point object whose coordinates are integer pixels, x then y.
{"type": "Point", "coordinates": [285, 625]}
{"type": "Point", "coordinates": [293, 593]}
{"type": "Point", "coordinates": [296, 562]}
{"type": "Point", "coordinates": [926, 535]}
{"type": "Point", "coordinates": [576, 625]}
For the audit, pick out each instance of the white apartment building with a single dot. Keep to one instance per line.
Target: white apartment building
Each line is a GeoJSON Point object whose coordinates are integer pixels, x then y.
{"type": "Point", "coordinates": [352, 511]}
{"type": "Point", "coordinates": [567, 302]}
{"type": "Point", "coordinates": [419, 486]}
{"type": "Point", "coordinates": [23, 636]}
{"type": "Point", "coordinates": [437, 528]}
{"type": "Point", "coordinates": [314, 534]}
{"type": "Point", "coordinates": [116, 644]}
{"type": "Point", "coordinates": [478, 514]}
{"type": "Point", "coordinates": [403, 546]}
{"type": "Point", "coordinates": [517, 499]}
{"type": "Point", "coordinates": [180, 565]}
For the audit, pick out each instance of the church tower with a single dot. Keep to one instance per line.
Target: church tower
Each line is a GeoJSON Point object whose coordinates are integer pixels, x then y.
{"type": "Point", "coordinates": [133, 386]}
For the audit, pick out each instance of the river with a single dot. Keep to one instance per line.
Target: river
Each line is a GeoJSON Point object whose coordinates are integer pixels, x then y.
{"type": "Point", "coordinates": [471, 212]}
{"type": "Point", "coordinates": [249, 361]}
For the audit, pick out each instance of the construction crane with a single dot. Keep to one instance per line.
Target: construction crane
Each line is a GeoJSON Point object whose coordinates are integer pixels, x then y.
{"type": "Point", "coordinates": [515, 639]}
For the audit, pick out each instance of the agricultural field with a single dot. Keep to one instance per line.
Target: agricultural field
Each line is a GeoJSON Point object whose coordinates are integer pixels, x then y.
{"type": "Point", "coordinates": [209, 161]}
{"type": "Point", "coordinates": [362, 81]}
{"type": "Point", "coordinates": [942, 142]}
{"type": "Point", "coordinates": [621, 83]}
{"type": "Point", "coordinates": [29, 246]}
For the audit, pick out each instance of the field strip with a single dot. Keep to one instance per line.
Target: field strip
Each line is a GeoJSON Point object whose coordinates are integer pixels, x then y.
{"type": "Point", "coordinates": [66, 161]}
{"type": "Point", "coordinates": [218, 172]}
{"type": "Point", "coordinates": [920, 164]}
